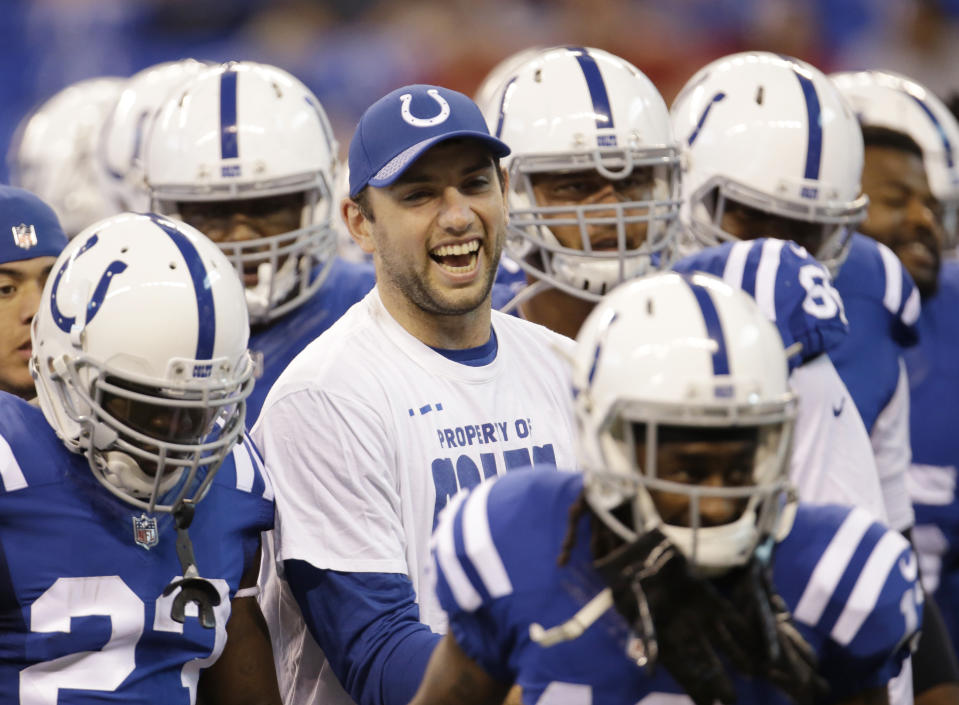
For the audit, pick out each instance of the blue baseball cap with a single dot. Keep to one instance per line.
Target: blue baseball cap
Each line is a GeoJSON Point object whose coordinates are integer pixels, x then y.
{"type": "Point", "coordinates": [28, 227]}
{"type": "Point", "coordinates": [400, 126]}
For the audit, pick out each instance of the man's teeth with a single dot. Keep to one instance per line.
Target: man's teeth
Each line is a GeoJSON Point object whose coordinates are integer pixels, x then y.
{"type": "Point", "coordinates": [466, 248]}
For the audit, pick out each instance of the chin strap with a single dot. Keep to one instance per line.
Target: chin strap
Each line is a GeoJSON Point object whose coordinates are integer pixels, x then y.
{"type": "Point", "coordinates": [577, 624]}
{"type": "Point", "coordinates": [193, 588]}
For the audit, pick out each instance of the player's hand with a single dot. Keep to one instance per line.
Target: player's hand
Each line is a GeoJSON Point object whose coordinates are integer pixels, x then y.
{"type": "Point", "coordinates": [676, 616]}
{"type": "Point", "coordinates": [514, 696]}
{"type": "Point", "coordinates": [777, 651]}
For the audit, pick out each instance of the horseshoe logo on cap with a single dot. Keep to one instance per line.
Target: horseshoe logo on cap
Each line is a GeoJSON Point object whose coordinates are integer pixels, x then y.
{"type": "Point", "coordinates": [440, 117]}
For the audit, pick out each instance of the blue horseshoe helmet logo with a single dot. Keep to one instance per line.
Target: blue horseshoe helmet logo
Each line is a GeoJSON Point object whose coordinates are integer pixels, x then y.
{"type": "Point", "coordinates": [437, 119]}
{"type": "Point", "coordinates": [65, 323]}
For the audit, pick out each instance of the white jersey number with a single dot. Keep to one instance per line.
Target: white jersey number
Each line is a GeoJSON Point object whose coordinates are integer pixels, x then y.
{"type": "Point", "coordinates": [106, 669]}
{"type": "Point", "coordinates": [822, 300]}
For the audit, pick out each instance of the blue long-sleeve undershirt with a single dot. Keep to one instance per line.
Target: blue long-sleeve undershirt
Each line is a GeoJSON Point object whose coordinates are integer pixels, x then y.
{"type": "Point", "coordinates": [368, 627]}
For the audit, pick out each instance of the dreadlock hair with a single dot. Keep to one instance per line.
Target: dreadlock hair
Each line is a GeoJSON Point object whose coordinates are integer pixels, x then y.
{"type": "Point", "coordinates": [601, 539]}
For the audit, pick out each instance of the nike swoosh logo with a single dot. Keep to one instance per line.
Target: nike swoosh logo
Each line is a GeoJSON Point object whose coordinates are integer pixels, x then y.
{"type": "Point", "coordinates": [836, 411]}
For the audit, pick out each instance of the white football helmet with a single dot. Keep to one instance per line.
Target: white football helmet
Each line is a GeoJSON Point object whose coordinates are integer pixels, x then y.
{"type": "Point", "coordinates": [243, 131]}
{"type": "Point", "coordinates": [668, 351]}
{"type": "Point", "coordinates": [772, 133]}
{"type": "Point", "coordinates": [53, 152]}
{"type": "Point", "coordinates": [488, 90]}
{"type": "Point", "coordinates": [575, 109]}
{"type": "Point", "coordinates": [120, 152]}
{"type": "Point", "coordinates": [895, 102]}
{"type": "Point", "coordinates": [140, 357]}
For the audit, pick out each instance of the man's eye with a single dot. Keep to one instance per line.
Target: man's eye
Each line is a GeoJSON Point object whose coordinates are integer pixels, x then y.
{"type": "Point", "coordinates": [414, 196]}
{"type": "Point", "coordinates": [477, 182]}
{"type": "Point", "coordinates": [573, 188]}
{"type": "Point", "coordinates": [635, 182]}
{"type": "Point", "coordinates": [7, 290]}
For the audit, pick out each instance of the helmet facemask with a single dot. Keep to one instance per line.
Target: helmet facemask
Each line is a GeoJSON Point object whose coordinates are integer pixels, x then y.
{"type": "Point", "coordinates": [290, 266]}
{"type": "Point", "coordinates": [581, 270]}
{"type": "Point", "coordinates": [659, 471]}
{"type": "Point", "coordinates": [836, 221]}
{"type": "Point", "coordinates": [155, 448]}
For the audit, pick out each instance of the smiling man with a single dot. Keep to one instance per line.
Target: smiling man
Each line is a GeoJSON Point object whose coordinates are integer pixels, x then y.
{"type": "Point", "coordinates": [420, 390]}
{"type": "Point", "coordinates": [30, 240]}
{"type": "Point", "coordinates": [903, 213]}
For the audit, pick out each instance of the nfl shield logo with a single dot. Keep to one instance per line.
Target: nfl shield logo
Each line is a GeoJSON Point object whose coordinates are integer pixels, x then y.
{"type": "Point", "coordinates": [145, 531]}
{"type": "Point", "coordinates": [24, 236]}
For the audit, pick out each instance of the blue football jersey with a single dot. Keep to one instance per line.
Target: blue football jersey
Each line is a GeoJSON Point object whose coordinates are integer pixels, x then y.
{"type": "Point", "coordinates": [882, 305]}
{"type": "Point", "coordinates": [793, 289]}
{"type": "Point", "coordinates": [83, 618]}
{"type": "Point", "coordinates": [510, 281]}
{"type": "Point", "coordinates": [277, 343]}
{"type": "Point", "coordinates": [933, 367]}
{"type": "Point", "coordinates": [850, 582]}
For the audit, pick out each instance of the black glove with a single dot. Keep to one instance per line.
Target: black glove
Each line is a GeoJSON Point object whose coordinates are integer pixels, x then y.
{"type": "Point", "coordinates": [684, 622]}
{"type": "Point", "coordinates": [675, 616]}
{"type": "Point", "coordinates": [778, 652]}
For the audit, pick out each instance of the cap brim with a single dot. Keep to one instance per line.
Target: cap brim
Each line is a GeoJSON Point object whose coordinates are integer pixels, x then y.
{"type": "Point", "coordinates": [394, 168]}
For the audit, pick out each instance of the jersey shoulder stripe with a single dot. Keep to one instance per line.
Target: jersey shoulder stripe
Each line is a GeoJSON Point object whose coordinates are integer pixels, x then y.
{"type": "Point", "coordinates": [865, 594]}
{"type": "Point", "coordinates": [836, 571]}
{"type": "Point", "coordinates": [467, 557]}
{"type": "Point", "coordinates": [831, 566]}
{"type": "Point", "coordinates": [453, 587]}
{"type": "Point", "coordinates": [872, 271]}
{"type": "Point", "coordinates": [498, 538]}
{"type": "Point", "coordinates": [31, 454]}
{"type": "Point", "coordinates": [11, 474]}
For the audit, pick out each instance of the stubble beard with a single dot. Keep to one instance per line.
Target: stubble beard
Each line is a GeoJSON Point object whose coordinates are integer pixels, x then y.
{"type": "Point", "coordinates": [416, 289]}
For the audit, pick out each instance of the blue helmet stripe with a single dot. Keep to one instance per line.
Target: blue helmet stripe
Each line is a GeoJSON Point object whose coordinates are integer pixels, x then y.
{"type": "Point", "coordinates": [502, 104]}
{"type": "Point", "coordinates": [814, 123]}
{"type": "Point", "coordinates": [206, 311]}
{"type": "Point", "coordinates": [229, 147]}
{"type": "Point", "coordinates": [714, 327]}
{"type": "Point", "coordinates": [946, 145]}
{"type": "Point", "coordinates": [702, 118]}
{"type": "Point", "coordinates": [596, 86]}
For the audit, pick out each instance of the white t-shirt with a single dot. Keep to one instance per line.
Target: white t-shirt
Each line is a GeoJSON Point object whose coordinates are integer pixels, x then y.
{"type": "Point", "coordinates": [369, 432]}
{"type": "Point", "coordinates": [832, 457]}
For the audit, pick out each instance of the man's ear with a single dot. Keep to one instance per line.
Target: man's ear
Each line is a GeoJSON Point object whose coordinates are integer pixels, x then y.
{"type": "Point", "coordinates": [505, 193]}
{"type": "Point", "coordinates": [360, 228]}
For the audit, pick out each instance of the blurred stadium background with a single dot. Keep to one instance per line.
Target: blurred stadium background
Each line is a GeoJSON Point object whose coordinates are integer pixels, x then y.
{"type": "Point", "coordinates": [350, 52]}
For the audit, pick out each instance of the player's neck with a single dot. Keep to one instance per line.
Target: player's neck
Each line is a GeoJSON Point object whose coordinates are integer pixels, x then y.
{"type": "Point", "coordinates": [449, 332]}
{"type": "Point", "coordinates": [558, 311]}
